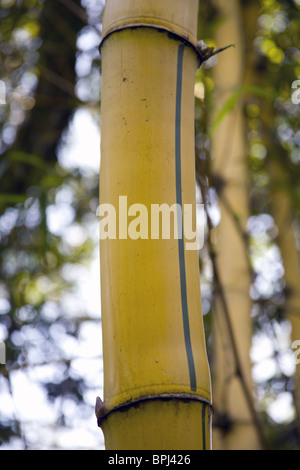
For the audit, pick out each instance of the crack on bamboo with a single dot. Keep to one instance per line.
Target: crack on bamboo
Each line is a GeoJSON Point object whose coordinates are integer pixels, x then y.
{"type": "Point", "coordinates": [102, 412]}
{"type": "Point", "coordinates": [160, 29]}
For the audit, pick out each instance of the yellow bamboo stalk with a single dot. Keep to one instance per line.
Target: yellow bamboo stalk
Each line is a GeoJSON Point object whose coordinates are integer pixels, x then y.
{"type": "Point", "coordinates": [156, 375]}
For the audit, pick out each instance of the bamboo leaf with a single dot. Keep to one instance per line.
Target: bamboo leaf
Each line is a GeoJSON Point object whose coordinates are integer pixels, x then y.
{"type": "Point", "coordinates": [228, 106]}
{"type": "Point", "coordinates": [12, 198]}
{"type": "Point", "coordinates": [30, 159]}
{"type": "Point", "coordinates": [232, 100]}
{"type": "Point", "coordinates": [259, 90]}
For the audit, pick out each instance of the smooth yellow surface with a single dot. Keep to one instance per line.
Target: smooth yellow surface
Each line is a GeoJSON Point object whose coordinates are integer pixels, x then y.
{"type": "Point", "coordinates": [170, 425]}
{"type": "Point", "coordinates": [178, 16]}
{"type": "Point", "coordinates": [144, 345]}
{"type": "Point", "coordinates": [141, 301]}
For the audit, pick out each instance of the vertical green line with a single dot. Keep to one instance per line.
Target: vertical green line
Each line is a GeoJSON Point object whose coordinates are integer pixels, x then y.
{"type": "Point", "coordinates": [184, 303]}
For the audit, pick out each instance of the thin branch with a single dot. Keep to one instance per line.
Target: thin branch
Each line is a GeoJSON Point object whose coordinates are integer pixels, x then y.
{"type": "Point", "coordinates": [238, 366]}
{"type": "Point", "coordinates": [59, 81]}
{"type": "Point", "coordinates": [75, 9]}
{"type": "Point", "coordinates": [17, 421]}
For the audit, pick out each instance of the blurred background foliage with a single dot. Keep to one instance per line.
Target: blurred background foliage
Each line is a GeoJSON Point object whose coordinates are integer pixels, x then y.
{"type": "Point", "coordinates": [49, 166]}
{"type": "Point", "coordinates": [50, 64]}
{"type": "Point", "coordinates": [271, 59]}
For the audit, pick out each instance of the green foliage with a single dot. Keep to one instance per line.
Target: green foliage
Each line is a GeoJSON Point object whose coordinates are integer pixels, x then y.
{"type": "Point", "coordinates": [47, 216]}
{"type": "Point", "coordinates": [49, 74]}
{"type": "Point", "coordinates": [272, 132]}
{"type": "Point", "coordinates": [233, 99]}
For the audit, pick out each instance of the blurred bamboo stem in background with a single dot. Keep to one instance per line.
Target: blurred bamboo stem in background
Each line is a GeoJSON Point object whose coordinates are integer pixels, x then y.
{"type": "Point", "coordinates": [235, 423]}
